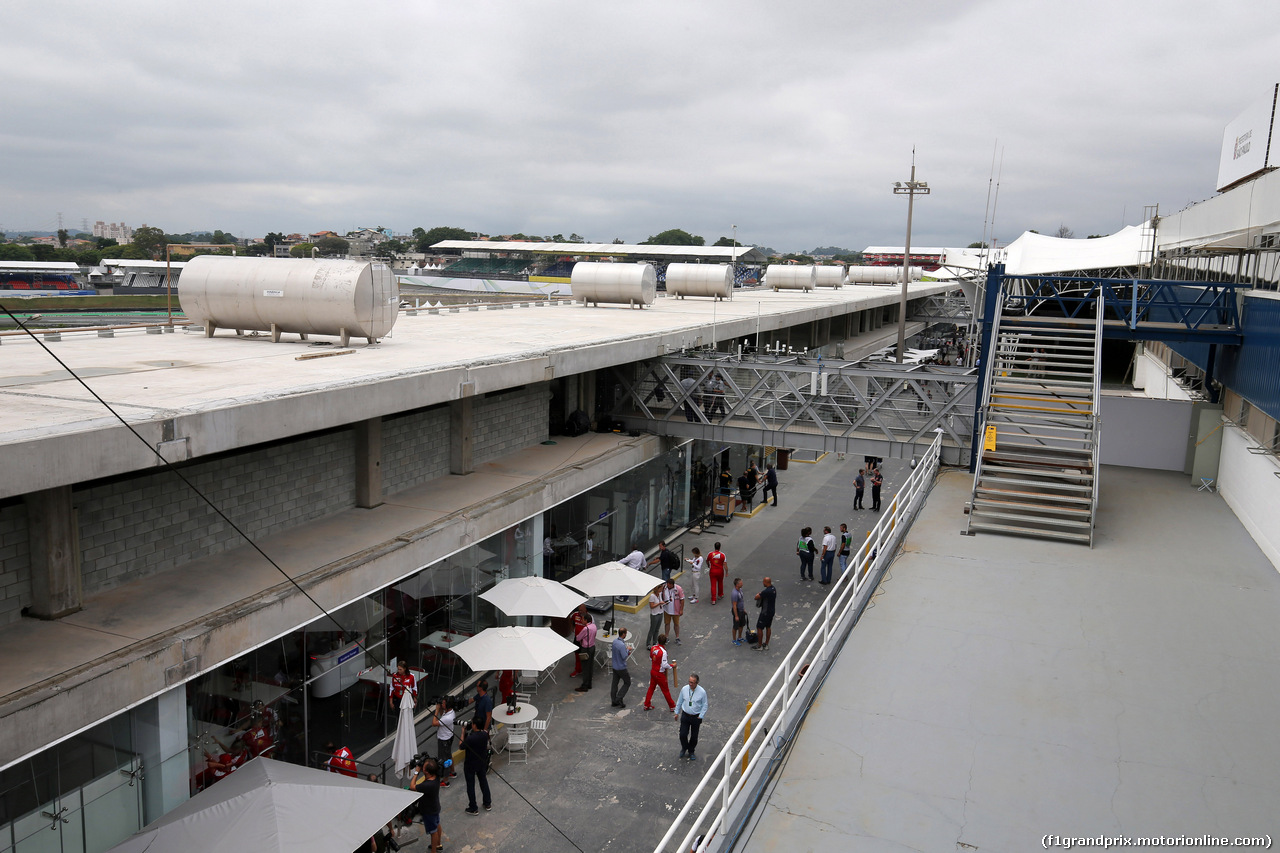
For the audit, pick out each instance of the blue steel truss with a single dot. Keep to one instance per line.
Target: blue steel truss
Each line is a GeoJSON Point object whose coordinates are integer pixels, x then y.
{"type": "Point", "coordinates": [1135, 309]}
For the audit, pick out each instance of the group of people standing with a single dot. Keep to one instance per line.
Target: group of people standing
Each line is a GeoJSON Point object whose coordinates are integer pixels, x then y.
{"type": "Point", "coordinates": [868, 475]}
{"type": "Point", "coordinates": [832, 547]}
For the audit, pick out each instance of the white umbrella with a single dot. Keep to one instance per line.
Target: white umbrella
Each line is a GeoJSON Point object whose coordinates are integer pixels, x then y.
{"type": "Point", "coordinates": [613, 579]}
{"type": "Point", "coordinates": [513, 648]}
{"type": "Point", "coordinates": [406, 743]}
{"type": "Point", "coordinates": [272, 806]}
{"type": "Point", "coordinates": [532, 596]}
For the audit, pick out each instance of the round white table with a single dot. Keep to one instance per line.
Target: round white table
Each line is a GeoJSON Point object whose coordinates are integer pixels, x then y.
{"type": "Point", "coordinates": [524, 713]}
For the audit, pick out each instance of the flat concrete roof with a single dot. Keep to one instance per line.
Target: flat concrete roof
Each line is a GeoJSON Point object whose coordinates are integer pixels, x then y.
{"type": "Point", "coordinates": [216, 394]}
{"type": "Point", "coordinates": [1001, 689]}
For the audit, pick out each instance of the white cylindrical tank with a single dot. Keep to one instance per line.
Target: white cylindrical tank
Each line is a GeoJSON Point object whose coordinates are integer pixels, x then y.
{"type": "Point", "coordinates": [621, 284]}
{"type": "Point", "coordinates": [829, 276]}
{"type": "Point", "coordinates": [700, 280]}
{"type": "Point", "coordinates": [791, 277]}
{"type": "Point", "coordinates": [880, 275]}
{"type": "Point", "coordinates": [303, 295]}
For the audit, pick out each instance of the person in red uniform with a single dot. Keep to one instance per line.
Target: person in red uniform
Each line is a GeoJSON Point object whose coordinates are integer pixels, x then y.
{"type": "Point", "coordinates": [579, 622]}
{"type": "Point", "coordinates": [342, 761]}
{"type": "Point", "coordinates": [402, 680]}
{"type": "Point", "coordinates": [716, 565]}
{"type": "Point", "coordinates": [507, 684]}
{"type": "Point", "coordinates": [257, 738]}
{"type": "Point", "coordinates": [658, 666]}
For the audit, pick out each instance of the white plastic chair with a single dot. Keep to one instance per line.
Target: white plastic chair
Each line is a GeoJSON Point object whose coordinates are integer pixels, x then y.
{"type": "Point", "coordinates": [538, 728]}
{"type": "Point", "coordinates": [518, 744]}
{"type": "Point", "coordinates": [529, 679]}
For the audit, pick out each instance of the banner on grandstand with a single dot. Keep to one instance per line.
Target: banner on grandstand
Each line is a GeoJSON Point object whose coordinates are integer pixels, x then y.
{"type": "Point", "coordinates": [1246, 142]}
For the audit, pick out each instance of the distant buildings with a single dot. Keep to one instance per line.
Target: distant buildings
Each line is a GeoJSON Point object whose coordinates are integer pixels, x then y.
{"type": "Point", "coordinates": [118, 231]}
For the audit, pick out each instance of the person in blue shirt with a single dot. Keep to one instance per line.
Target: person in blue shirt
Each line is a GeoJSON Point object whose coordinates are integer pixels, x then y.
{"type": "Point", "coordinates": [692, 708]}
{"type": "Point", "coordinates": [621, 675]}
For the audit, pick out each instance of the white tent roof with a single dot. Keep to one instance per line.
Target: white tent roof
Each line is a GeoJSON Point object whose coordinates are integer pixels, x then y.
{"type": "Point", "coordinates": [269, 805]}
{"type": "Point", "coordinates": [141, 265]}
{"type": "Point", "coordinates": [41, 266]}
{"type": "Point", "coordinates": [1036, 254]}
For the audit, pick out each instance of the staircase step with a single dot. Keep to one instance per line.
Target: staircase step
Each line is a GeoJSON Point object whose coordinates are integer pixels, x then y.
{"type": "Point", "coordinates": [996, 467]}
{"type": "Point", "coordinates": [990, 479]}
{"type": "Point", "coordinates": [991, 527]}
{"type": "Point", "coordinates": [1022, 417]}
{"type": "Point", "coordinates": [997, 505]}
{"type": "Point", "coordinates": [1033, 392]}
{"type": "Point", "coordinates": [1017, 496]}
{"type": "Point", "coordinates": [1031, 517]}
{"type": "Point", "coordinates": [1061, 457]}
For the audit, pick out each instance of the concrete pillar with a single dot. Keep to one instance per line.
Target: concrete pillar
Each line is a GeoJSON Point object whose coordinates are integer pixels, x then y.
{"type": "Point", "coordinates": [369, 463]}
{"type": "Point", "coordinates": [460, 437]}
{"type": "Point", "coordinates": [55, 553]}
{"type": "Point", "coordinates": [160, 737]}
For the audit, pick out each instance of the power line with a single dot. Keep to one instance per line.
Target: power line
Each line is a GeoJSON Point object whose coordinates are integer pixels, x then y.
{"type": "Point", "coordinates": [178, 473]}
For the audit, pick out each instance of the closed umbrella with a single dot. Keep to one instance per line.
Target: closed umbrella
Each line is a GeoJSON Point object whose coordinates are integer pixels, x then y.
{"type": "Point", "coordinates": [272, 806]}
{"type": "Point", "coordinates": [532, 596]}
{"type": "Point", "coordinates": [513, 648]}
{"type": "Point", "coordinates": [406, 743]}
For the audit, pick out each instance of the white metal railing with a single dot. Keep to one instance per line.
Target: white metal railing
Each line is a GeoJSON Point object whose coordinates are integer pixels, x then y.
{"type": "Point", "coordinates": [1097, 419]}
{"type": "Point", "coordinates": [719, 792]}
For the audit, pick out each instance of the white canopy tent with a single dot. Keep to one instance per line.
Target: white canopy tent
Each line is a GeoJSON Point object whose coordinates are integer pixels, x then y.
{"type": "Point", "coordinates": [272, 806]}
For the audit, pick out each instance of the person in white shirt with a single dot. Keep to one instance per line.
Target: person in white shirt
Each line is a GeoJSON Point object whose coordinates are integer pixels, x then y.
{"type": "Point", "coordinates": [828, 554]}
{"type": "Point", "coordinates": [695, 567]}
{"type": "Point", "coordinates": [655, 616]}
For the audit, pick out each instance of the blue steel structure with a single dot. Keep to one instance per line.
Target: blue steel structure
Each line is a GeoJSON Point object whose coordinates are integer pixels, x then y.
{"type": "Point", "coordinates": [1197, 319]}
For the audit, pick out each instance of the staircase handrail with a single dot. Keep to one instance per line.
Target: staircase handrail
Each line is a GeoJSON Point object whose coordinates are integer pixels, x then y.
{"type": "Point", "coordinates": [1097, 414]}
{"type": "Point", "coordinates": [980, 416]}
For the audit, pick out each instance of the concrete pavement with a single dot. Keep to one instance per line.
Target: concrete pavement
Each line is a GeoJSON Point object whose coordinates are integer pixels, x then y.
{"type": "Point", "coordinates": [612, 779]}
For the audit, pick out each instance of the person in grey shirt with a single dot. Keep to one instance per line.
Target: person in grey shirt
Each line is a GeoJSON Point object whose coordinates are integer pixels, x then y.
{"type": "Point", "coordinates": [620, 673]}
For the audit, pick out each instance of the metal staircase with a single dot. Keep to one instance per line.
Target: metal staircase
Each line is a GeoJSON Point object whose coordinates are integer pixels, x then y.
{"type": "Point", "coordinates": [1039, 475]}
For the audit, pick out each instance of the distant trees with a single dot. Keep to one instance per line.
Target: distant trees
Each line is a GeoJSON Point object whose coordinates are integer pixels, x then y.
{"type": "Point", "coordinates": [978, 245]}
{"type": "Point", "coordinates": [674, 237]}
{"type": "Point", "coordinates": [725, 241]}
{"type": "Point", "coordinates": [331, 246]}
{"type": "Point", "coordinates": [424, 240]}
{"type": "Point", "coordinates": [62, 237]}
{"type": "Point", "coordinates": [272, 239]}
{"type": "Point", "coordinates": [800, 259]}
{"type": "Point", "coordinates": [104, 242]}
{"type": "Point", "coordinates": [14, 252]}
{"type": "Point", "coordinates": [150, 241]}
{"type": "Point", "coordinates": [617, 241]}
{"type": "Point", "coordinates": [301, 250]}
{"type": "Point", "coordinates": [1064, 232]}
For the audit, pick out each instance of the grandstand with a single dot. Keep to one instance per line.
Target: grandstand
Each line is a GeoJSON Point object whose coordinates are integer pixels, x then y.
{"type": "Point", "coordinates": [470, 267]}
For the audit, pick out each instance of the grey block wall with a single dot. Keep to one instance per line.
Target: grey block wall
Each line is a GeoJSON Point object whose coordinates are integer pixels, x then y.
{"type": "Point", "coordinates": [415, 448]}
{"type": "Point", "coordinates": [140, 525]}
{"type": "Point", "coordinates": [135, 526]}
{"type": "Point", "coordinates": [510, 420]}
{"type": "Point", "coordinates": [15, 562]}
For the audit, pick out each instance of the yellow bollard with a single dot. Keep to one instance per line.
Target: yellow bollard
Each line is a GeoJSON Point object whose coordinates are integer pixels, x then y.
{"type": "Point", "coordinates": [746, 733]}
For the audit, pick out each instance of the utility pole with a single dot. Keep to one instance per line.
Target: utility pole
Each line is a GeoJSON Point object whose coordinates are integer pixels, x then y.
{"type": "Point", "coordinates": [911, 189]}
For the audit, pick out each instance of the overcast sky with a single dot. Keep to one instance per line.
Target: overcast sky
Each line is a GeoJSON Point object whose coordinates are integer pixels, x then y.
{"type": "Point", "coordinates": [620, 119]}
